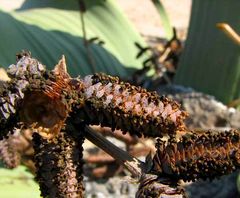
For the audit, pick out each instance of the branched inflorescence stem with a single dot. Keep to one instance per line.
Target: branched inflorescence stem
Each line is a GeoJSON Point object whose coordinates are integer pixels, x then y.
{"type": "Point", "coordinates": [135, 166]}
{"type": "Point", "coordinates": [60, 108]}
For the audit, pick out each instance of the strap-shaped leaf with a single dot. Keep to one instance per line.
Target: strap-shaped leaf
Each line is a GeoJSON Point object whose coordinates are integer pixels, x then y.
{"type": "Point", "coordinates": [54, 28]}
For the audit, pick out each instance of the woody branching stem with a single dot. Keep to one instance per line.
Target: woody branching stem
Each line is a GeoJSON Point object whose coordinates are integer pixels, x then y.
{"type": "Point", "coordinates": [135, 166]}
{"type": "Point", "coordinates": [82, 8]}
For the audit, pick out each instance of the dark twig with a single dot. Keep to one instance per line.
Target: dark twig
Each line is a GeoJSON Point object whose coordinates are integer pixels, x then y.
{"type": "Point", "coordinates": [82, 8]}
{"type": "Point", "coordinates": [135, 166]}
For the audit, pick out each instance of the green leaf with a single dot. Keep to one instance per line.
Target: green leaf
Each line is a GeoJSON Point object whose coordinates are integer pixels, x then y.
{"type": "Point", "coordinates": [164, 18]}
{"type": "Point", "coordinates": [211, 61]}
{"type": "Point", "coordinates": [50, 28]}
{"type": "Point", "coordinates": [238, 183]}
{"type": "Point", "coordinates": [18, 183]}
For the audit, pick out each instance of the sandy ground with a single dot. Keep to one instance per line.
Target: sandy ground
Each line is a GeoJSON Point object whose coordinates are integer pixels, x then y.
{"type": "Point", "coordinates": [148, 22]}
{"type": "Point", "coordinates": [142, 13]}
{"type": "Point", "coordinates": [10, 4]}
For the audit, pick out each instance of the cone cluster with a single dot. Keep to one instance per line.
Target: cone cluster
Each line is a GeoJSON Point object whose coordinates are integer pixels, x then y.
{"type": "Point", "coordinates": [53, 101]}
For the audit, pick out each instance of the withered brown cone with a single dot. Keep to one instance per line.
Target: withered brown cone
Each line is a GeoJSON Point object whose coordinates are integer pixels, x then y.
{"type": "Point", "coordinates": [112, 103]}
{"type": "Point", "coordinates": [17, 148]}
{"type": "Point", "coordinates": [26, 70]}
{"type": "Point", "coordinates": [151, 186]}
{"type": "Point", "coordinates": [8, 154]}
{"type": "Point", "coordinates": [48, 101]}
{"type": "Point", "coordinates": [194, 156]}
{"type": "Point", "coordinates": [10, 94]}
{"type": "Point", "coordinates": [59, 166]}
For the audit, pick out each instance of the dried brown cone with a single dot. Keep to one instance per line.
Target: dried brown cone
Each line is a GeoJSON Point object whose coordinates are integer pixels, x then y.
{"type": "Point", "coordinates": [205, 156]}
{"type": "Point", "coordinates": [151, 186]}
{"type": "Point", "coordinates": [59, 166]}
{"type": "Point", "coordinates": [16, 149]}
{"type": "Point", "coordinates": [119, 105]}
{"type": "Point", "coordinates": [47, 101]}
{"type": "Point", "coordinates": [21, 143]}
{"type": "Point", "coordinates": [8, 154]}
{"type": "Point", "coordinates": [35, 95]}
{"type": "Point", "coordinates": [12, 92]}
